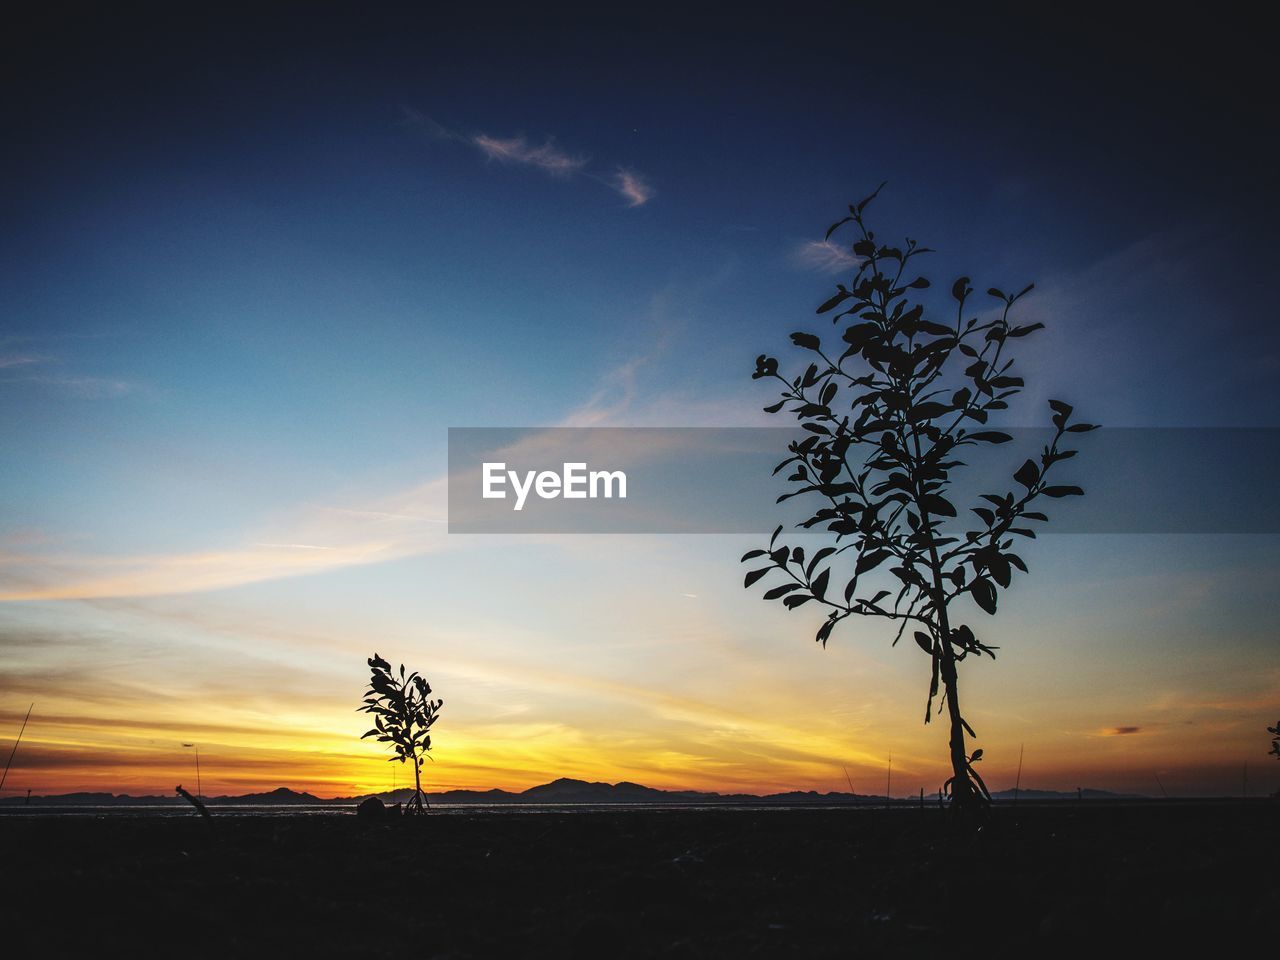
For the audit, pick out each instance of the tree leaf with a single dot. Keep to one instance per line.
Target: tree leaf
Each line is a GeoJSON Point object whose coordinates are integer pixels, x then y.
{"type": "Point", "coordinates": [1064, 491]}
{"type": "Point", "coordinates": [984, 594]}
{"type": "Point", "coordinates": [781, 591]}
{"type": "Point", "coordinates": [834, 301]}
{"type": "Point", "coordinates": [1028, 474]}
{"type": "Point", "coordinates": [939, 506]}
{"type": "Point", "coordinates": [819, 585]}
{"type": "Point", "coordinates": [869, 561]}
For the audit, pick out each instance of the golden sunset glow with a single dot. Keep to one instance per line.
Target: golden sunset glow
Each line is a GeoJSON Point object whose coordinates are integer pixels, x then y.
{"type": "Point", "coordinates": [661, 675]}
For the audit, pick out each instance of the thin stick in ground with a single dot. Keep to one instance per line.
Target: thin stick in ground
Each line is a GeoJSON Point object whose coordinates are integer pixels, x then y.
{"type": "Point", "coordinates": [15, 746]}
{"type": "Point", "coordinates": [1017, 785]}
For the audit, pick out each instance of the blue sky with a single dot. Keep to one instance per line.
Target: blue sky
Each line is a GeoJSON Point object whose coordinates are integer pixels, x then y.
{"type": "Point", "coordinates": [254, 271]}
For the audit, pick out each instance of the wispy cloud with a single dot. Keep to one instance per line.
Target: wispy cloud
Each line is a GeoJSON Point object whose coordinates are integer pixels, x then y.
{"type": "Point", "coordinates": [294, 546]}
{"type": "Point", "coordinates": [89, 388]}
{"type": "Point", "coordinates": [56, 373]}
{"type": "Point", "coordinates": [319, 537]}
{"type": "Point", "coordinates": [21, 360]}
{"type": "Point", "coordinates": [310, 539]}
{"type": "Point", "coordinates": [823, 256]}
{"type": "Point", "coordinates": [633, 187]}
{"type": "Point", "coordinates": [1120, 731]}
{"type": "Point", "coordinates": [316, 539]}
{"type": "Point", "coordinates": [523, 716]}
{"type": "Point", "coordinates": [546, 156]}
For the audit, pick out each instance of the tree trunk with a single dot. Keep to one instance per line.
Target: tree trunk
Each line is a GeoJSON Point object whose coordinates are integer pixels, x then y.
{"type": "Point", "coordinates": [962, 793]}
{"type": "Point", "coordinates": [963, 796]}
{"type": "Point", "coordinates": [964, 799]}
{"type": "Point", "coordinates": [417, 782]}
{"type": "Point", "coordinates": [419, 797]}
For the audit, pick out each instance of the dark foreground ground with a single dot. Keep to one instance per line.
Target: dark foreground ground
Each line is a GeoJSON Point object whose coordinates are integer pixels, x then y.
{"type": "Point", "coordinates": [1090, 878]}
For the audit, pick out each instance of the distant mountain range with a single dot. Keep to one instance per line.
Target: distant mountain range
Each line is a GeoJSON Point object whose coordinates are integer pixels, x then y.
{"type": "Point", "coordinates": [1086, 793]}
{"type": "Point", "coordinates": [557, 792]}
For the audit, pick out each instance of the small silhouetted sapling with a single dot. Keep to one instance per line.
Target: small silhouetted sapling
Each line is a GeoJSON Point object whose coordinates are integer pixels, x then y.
{"type": "Point", "coordinates": [890, 410]}
{"type": "Point", "coordinates": [403, 713]}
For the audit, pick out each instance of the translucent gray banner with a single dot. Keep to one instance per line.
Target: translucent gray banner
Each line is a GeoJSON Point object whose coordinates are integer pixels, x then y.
{"type": "Point", "coordinates": [721, 480]}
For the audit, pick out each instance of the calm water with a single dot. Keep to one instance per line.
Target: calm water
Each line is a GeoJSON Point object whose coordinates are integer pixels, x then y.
{"type": "Point", "coordinates": [346, 809]}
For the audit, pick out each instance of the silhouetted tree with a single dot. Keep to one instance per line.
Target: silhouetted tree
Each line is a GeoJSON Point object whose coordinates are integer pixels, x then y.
{"type": "Point", "coordinates": [403, 714]}
{"type": "Point", "coordinates": [1275, 739]}
{"type": "Point", "coordinates": [888, 413]}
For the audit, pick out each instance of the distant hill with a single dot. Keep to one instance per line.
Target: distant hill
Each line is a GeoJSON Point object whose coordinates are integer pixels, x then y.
{"type": "Point", "coordinates": [569, 791]}
{"type": "Point", "coordinates": [281, 796]}
{"type": "Point", "coordinates": [563, 791]}
{"type": "Point", "coordinates": [1088, 793]}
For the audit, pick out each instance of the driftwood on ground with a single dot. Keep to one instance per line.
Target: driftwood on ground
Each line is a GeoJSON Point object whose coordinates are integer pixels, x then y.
{"type": "Point", "coordinates": [195, 802]}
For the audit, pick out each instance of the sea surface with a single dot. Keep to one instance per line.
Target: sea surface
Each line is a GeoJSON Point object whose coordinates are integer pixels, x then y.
{"type": "Point", "coordinates": [349, 809]}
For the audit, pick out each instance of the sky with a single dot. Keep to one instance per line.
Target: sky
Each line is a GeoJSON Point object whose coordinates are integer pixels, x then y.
{"type": "Point", "coordinates": [253, 268]}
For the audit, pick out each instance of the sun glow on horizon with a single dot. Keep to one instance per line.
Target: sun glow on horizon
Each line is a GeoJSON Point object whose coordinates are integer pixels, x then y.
{"type": "Point", "coordinates": [704, 697]}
